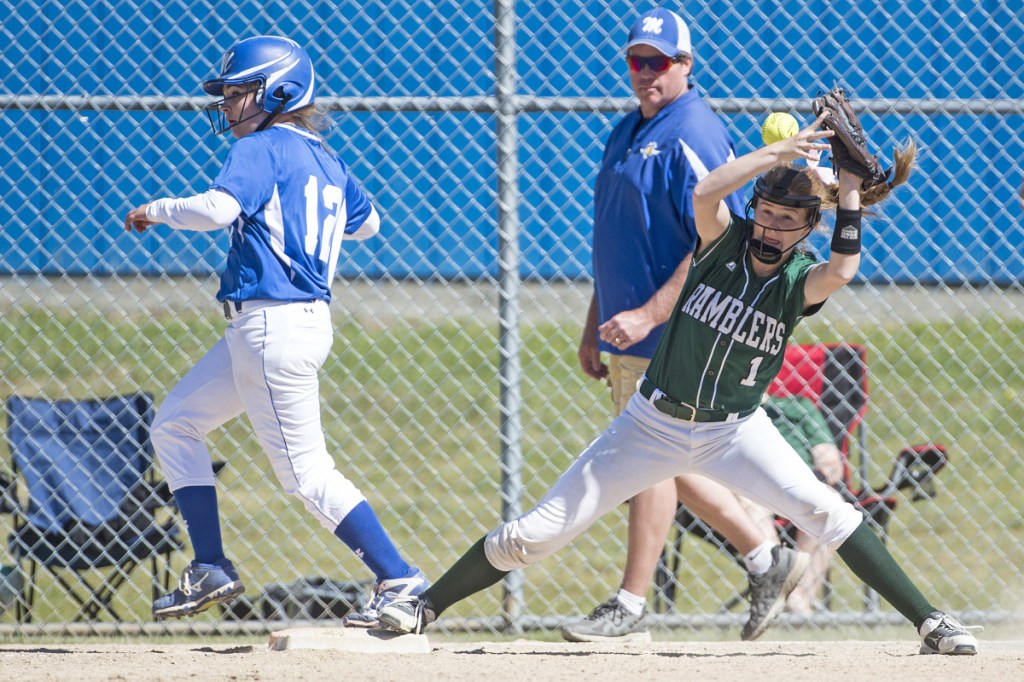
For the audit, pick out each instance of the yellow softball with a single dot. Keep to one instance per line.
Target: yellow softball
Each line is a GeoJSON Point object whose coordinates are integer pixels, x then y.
{"type": "Point", "coordinates": [778, 126]}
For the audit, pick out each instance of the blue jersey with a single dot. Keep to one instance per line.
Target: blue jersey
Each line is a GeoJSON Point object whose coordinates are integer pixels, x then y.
{"type": "Point", "coordinates": [298, 200]}
{"type": "Point", "coordinates": [643, 208]}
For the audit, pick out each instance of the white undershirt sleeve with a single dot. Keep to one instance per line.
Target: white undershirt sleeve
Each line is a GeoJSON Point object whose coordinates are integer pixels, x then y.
{"type": "Point", "coordinates": [370, 227]}
{"type": "Point", "coordinates": [210, 210]}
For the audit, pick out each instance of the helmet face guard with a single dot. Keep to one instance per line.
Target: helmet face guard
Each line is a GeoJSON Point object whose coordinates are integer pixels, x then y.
{"type": "Point", "coordinates": [779, 193]}
{"type": "Point", "coordinates": [215, 110]}
{"type": "Point", "coordinates": [280, 67]}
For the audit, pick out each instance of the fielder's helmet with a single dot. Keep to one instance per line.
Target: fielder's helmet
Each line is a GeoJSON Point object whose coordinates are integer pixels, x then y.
{"type": "Point", "coordinates": [776, 186]}
{"type": "Point", "coordinates": [281, 67]}
{"type": "Point", "coordinates": [780, 191]}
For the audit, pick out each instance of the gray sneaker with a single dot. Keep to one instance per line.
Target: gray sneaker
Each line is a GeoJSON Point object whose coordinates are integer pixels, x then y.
{"type": "Point", "coordinates": [943, 634]}
{"type": "Point", "coordinates": [408, 614]}
{"type": "Point", "coordinates": [768, 592]}
{"type": "Point", "coordinates": [385, 592]}
{"type": "Point", "coordinates": [609, 622]}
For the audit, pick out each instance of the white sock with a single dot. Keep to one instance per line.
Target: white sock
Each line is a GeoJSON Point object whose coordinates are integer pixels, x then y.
{"type": "Point", "coordinates": [760, 558]}
{"type": "Point", "coordinates": [631, 602]}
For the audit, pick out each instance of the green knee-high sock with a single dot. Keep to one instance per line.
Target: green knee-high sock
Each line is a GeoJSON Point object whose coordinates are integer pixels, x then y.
{"type": "Point", "coordinates": [870, 561]}
{"type": "Point", "coordinates": [470, 574]}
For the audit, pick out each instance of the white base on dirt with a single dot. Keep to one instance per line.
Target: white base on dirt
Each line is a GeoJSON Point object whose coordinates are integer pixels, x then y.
{"type": "Point", "coordinates": [349, 639]}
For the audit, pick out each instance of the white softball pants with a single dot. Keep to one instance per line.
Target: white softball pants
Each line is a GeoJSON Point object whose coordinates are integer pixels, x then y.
{"type": "Point", "coordinates": [643, 447]}
{"type": "Point", "coordinates": [266, 365]}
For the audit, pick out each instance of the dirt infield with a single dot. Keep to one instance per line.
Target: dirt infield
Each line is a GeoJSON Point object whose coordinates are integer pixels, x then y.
{"type": "Point", "coordinates": [520, 660]}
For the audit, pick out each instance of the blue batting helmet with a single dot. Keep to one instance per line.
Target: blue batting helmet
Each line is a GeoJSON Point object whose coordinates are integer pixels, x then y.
{"type": "Point", "coordinates": [281, 66]}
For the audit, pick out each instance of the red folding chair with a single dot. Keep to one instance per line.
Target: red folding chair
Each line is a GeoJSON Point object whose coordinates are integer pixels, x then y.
{"type": "Point", "coordinates": [835, 377]}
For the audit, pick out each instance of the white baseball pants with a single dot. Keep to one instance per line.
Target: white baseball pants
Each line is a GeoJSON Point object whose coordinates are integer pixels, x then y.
{"type": "Point", "coordinates": [266, 365]}
{"type": "Point", "coordinates": [643, 447]}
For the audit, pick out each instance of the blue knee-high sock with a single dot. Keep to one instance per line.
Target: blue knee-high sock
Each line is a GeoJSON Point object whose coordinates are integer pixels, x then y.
{"type": "Point", "coordinates": [362, 532]}
{"type": "Point", "coordinates": [198, 507]}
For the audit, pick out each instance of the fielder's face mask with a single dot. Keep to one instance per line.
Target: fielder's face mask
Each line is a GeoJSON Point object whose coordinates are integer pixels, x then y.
{"type": "Point", "coordinates": [779, 191]}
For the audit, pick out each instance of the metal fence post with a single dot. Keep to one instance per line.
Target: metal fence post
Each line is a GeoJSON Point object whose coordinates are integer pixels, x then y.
{"type": "Point", "coordinates": [509, 343]}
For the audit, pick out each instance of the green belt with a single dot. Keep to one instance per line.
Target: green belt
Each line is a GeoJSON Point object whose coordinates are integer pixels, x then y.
{"type": "Point", "coordinates": [689, 413]}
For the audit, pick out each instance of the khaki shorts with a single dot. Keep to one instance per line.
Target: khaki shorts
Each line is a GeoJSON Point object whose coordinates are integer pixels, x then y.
{"type": "Point", "coordinates": [624, 375]}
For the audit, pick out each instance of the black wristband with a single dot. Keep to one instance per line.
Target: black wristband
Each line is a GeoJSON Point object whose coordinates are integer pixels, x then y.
{"type": "Point", "coordinates": [846, 236]}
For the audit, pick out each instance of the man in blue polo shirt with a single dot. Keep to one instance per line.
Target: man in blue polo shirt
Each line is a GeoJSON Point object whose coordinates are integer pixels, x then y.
{"type": "Point", "coordinates": [644, 237]}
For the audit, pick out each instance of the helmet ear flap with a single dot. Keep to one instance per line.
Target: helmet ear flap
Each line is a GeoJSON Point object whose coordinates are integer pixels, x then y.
{"type": "Point", "coordinates": [285, 92]}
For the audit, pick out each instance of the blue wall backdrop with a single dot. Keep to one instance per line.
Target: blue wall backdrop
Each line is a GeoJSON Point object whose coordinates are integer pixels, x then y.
{"type": "Point", "coordinates": [69, 174]}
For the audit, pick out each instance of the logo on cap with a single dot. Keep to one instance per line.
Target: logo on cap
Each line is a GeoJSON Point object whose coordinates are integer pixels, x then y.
{"type": "Point", "coordinates": [652, 24]}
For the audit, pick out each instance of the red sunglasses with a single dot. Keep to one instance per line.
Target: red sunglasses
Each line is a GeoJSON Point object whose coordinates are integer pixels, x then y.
{"type": "Point", "coordinates": [657, 64]}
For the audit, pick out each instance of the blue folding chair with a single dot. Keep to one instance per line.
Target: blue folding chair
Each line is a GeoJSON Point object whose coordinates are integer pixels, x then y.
{"type": "Point", "coordinates": [90, 498]}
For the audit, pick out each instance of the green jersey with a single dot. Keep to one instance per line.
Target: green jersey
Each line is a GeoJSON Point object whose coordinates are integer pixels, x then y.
{"type": "Point", "coordinates": [725, 340]}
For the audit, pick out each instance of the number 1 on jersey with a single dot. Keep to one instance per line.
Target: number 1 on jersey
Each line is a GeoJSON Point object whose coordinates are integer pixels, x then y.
{"type": "Point", "coordinates": [752, 375]}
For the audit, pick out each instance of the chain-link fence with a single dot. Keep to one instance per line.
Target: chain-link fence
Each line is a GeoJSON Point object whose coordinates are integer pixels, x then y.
{"type": "Point", "coordinates": [453, 394]}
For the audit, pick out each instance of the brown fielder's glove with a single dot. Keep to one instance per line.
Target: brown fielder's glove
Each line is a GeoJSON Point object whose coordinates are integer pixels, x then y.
{"type": "Point", "coordinates": [849, 148]}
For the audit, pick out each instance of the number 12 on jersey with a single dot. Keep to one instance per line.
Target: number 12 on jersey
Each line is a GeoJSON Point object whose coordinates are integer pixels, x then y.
{"type": "Point", "coordinates": [324, 237]}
